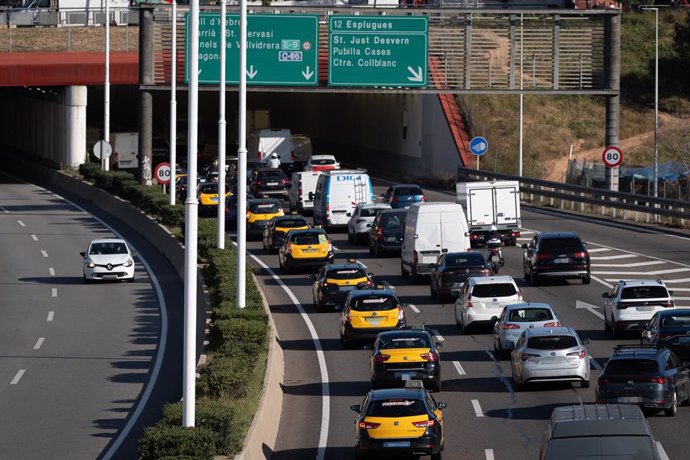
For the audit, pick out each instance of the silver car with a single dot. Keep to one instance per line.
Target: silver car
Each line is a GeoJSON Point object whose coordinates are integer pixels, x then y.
{"type": "Point", "coordinates": [550, 354]}
{"type": "Point", "coordinates": [362, 217]}
{"type": "Point", "coordinates": [517, 317]}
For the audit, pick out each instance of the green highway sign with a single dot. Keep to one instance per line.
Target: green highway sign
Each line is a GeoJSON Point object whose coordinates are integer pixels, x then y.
{"type": "Point", "coordinates": [282, 50]}
{"type": "Point", "coordinates": [378, 51]}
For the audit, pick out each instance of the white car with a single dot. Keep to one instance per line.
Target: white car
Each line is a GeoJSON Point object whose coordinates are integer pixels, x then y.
{"type": "Point", "coordinates": [362, 217]}
{"type": "Point", "coordinates": [321, 163]}
{"type": "Point", "coordinates": [483, 297]}
{"type": "Point", "coordinates": [108, 259]}
{"type": "Point", "coordinates": [632, 303]}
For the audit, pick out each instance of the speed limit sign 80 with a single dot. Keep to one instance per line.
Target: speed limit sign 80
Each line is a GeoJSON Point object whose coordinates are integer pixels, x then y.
{"type": "Point", "coordinates": [612, 156]}
{"type": "Point", "coordinates": [162, 173]}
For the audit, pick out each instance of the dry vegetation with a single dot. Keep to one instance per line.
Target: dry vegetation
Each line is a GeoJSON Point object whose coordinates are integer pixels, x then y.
{"type": "Point", "coordinates": [54, 39]}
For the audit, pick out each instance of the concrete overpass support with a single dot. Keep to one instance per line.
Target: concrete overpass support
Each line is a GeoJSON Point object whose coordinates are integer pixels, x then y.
{"type": "Point", "coordinates": [75, 129]}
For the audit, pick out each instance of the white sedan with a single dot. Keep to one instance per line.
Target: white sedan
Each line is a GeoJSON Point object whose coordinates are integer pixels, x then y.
{"type": "Point", "coordinates": [362, 217]}
{"type": "Point", "coordinates": [108, 259]}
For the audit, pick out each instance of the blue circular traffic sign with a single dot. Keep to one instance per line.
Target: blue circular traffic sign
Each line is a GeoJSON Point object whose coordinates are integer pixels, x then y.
{"type": "Point", "coordinates": [479, 145]}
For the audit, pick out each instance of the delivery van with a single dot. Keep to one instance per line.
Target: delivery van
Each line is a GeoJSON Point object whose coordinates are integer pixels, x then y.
{"type": "Point", "coordinates": [303, 187]}
{"type": "Point", "coordinates": [431, 229]}
{"type": "Point", "coordinates": [262, 143]}
{"type": "Point", "coordinates": [337, 194]}
{"type": "Point", "coordinates": [126, 150]}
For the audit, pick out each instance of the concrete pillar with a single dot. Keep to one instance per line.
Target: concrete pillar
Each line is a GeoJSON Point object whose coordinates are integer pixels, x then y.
{"type": "Point", "coordinates": [146, 78]}
{"type": "Point", "coordinates": [612, 69]}
{"type": "Point", "coordinates": [75, 124]}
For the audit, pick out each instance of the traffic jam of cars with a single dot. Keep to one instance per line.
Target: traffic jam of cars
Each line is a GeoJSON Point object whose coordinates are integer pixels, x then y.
{"type": "Point", "coordinates": [456, 248]}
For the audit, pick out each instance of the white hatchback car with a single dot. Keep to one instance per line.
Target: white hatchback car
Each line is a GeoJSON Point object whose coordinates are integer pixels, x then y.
{"type": "Point", "coordinates": [322, 163]}
{"type": "Point", "coordinates": [108, 259]}
{"type": "Point", "coordinates": [362, 217]}
{"type": "Point", "coordinates": [632, 303]}
{"type": "Point", "coordinates": [483, 297]}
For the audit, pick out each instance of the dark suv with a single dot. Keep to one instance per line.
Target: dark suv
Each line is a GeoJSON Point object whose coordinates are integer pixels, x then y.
{"type": "Point", "coordinates": [270, 182]}
{"type": "Point", "coordinates": [387, 230]}
{"type": "Point", "coordinates": [670, 328]}
{"type": "Point", "coordinates": [556, 255]}
{"type": "Point", "coordinates": [653, 378]}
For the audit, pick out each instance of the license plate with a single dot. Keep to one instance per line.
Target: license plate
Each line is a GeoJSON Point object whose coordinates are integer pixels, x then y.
{"type": "Point", "coordinates": [374, 321]}
{"type": "Point", "coordinates": [310, 250]}
{"type": "Point", "coordinates": [391, 238]}
{"type": "Point", "coordinates": [562, 260]}
{"type": "Point", "coordinates": [272, 183]}
{"type": "Point", "coordinates": [347, 288]}
{"type": "Point", "coordinates": [684, 339]}
{"type": "Point", "coordinates": [396, 444]}
{"type": "Point", "coordinates": [548, 360]}
{"type": "Point", "coordinates": [630, 399]}
{"type": "Point", "coordinates": [644, 308]}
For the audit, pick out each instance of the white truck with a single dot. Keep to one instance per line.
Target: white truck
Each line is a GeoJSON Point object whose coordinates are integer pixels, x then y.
{"type": "Point", "coordinates": [126, 150]}
{"type": "Point", "coordinates": [491, 203]}
{"type": "Point", "coordinates": [262, 143]}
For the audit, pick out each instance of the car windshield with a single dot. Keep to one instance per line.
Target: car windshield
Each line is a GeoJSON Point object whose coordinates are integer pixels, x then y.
{"type": "Point", "coordinates": [494, 290]}
{"type": "Point", "coordinates": [399, 407]}
{"type": "Point", "coordinates": [631, 367]}
{"type": "Point", "coordinates": [346, 274]}
{"type": "Point", "coordinates": [322, 161]}
{"type": "Point", "coordinates": [406, 341]}
{"type": "Point", "coordinates": [601, 447]}
{"type": "Point", "coordinates": [369, 212]}
{"type": "Point", "coordinates": [464, 259]}
{"type": "Point", "coordinates": [374, 303]}
{"type": "Point", "coordinates": [309, 238]}
{"type": "Point", "coordinates": [392, 221]}
{"type": "Point", "coordinates": [676, 321]}
{"type": "Point", "coordinates": [561, 245]}
{"type": "Point", "coordinates": [271, 175]}
{"type": "Point", "coordinates": [528, 315]}
{"type": "Point", "coordinates": [108, 248]}
{"type": "Point", "coordinates": [406, 191]}
{"type": "Point", "coordinates": [264, 207]}
{"type": "Point", "coordinates": [552, 342]}
{"type": "Point", "coordinates": [644, 292]}
{"type": "Point", "coordinates": [291, 223]}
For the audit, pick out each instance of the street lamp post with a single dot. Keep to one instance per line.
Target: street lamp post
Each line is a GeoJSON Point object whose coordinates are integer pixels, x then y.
{"type": "Point", "coordinates": [656, 98]}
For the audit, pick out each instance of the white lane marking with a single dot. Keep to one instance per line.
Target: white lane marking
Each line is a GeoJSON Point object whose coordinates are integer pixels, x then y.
{"type": "Point", "coordinates": [489, 453]}
{"type": "Point", "coordinates": [459, 368]}
{"type": "Point", "coordinates": [51, 315]}
{"type": "Point", "coordinates": [602, 282]}
{"type": "Point", "coordinates": [51, 270]}
{"type": "Point", "coordinates": [414, 308]}
{"type": "Point", "coordinates": [321, 357]}
{"type": "Point", "coordinates": [598, 250]}
{"type": "Point", "coordinates": [523, 239]}
{"type": "Point", "coordinates": [633, 264]}
{"type": "Point", "coordinates": [677, 236]}
{"type": "Point", "coordinates": [641, 273]}
{"type": "Point", "coordinates": [619, 256]}
{"type": "Point", "coordinates": [53, 292]}
{"type": "Point", "coordinates": [526, 232]}
{"type": "Point", "coordinates": [589, 307]}
{"type": "Point", "coordinates": [595, 364]}
{"type": "Point", "coordinates": [438, 336]}
{"type": "Point", "coordinates": [44, 253]}
{"type": "Point", "coordinates": [21, 224]}
{"type": "Point", "coordinates": [662, 452]}
{"type": "Point", "coordinates": [681, 298]}
{"type": "Point", "coordinates": [680, 280]}
{"type": "Point", "coordinates": [477, 408]}
{"type": "Point", "coordinates": [160, 349]}
{"type": "Point", "coordinates": [387, 284]}
{"type": "Point", "coordinates": [39, 342]}
{"type": "Point", "coordinates": [18, 377]}
{"type": "Point", "coordinates": [34, 237]}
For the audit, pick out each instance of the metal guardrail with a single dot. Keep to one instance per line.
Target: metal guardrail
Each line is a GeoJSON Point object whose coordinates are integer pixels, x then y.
{"type": "Point", "coordinates": [593, 200]}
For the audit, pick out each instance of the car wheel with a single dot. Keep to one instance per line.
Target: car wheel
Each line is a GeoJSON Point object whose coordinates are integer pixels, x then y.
{"type": "Point", "coordinates": [86, 280]}
{"type": "Point", "coordinates": [617, 333]}
{"type": "Point", "coordinates": [377, 251]}
{"type": "Point", "coordinates": [132, 279]}
{"type": "Point", "coordinates": [360, 456]}
{"type": "Point", "coordinates": [432, 292]}
{"type": "Point", "coordinates": [345, 343]}
{"type": "Point", "coordinates": [673, 410]}
{"type": "Point", "coordinates": [372, 251]}
{"type": "Point", "coordinates": [350, 236]}
{"type": "Point", "coordinates": [584, 384]}
{"type": "Point", "coordinates": [534, 279]}
{"type": "Point", "coordinates": [526, 275]}
{"type": "Point", "coordinates": [607, 327]}
{"type": "Point", "coordinates": [437, 386]}
{"type": "Point", "coordinates": [404, 273]}
{"type": "Point", "coordinates": [416, 278]}
{"type": "Point", "coordinates": [438, 456]}
{"type": "Point", "coordinates": [587, 279]}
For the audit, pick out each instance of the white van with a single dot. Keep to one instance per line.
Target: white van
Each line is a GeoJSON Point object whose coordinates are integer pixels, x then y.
{"type": "Point", "coordinates": [430, 230]}
{"type": "Point", "coordinates": [302, 191]}
{"type": "Point", "coordinates": [337, 194]}
{"type": "Point", "coordinates": [262, 143]}
{"type": "Point", "coordinates": [126, 150]}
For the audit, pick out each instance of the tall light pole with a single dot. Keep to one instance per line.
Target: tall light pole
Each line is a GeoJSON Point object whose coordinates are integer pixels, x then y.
{"type": "Point", "coordinates": [522, 97]}
{"type": "Point", "coordinates": [221, 131]}
{"type": "Point", "coordinates": [656, 99]}
{"type": "Point", "coordinates": [173, 105]}
{"type": "Point", "coordinates": [242, 164]}
{"type": "Point", "coordinates": [105, 162]}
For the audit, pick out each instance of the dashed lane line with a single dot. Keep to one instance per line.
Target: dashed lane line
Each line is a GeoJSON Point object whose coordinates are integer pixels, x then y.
{"type": "Point", "coordinates": [53, 292]}
{"type": "Point", "coordinates": [414, 308]}
{"type": "Point", "coordinates": [51, 315]}
{"type": "Point", "coordinates": [51, 270]}
{"type": "Point", "coordinates": [34, 237]}
{"type": "Point", "coordinates": [459, 368]}
{"type": "Point", "coordinates": [438, 335]}
{"type": "Point", "coordinates": [638, 274]}
{"type": "Point", "coordinates": [598, 250]}
{"type": "Point", "coordinates": [39, 342]}
{"type": "Point", "coordinates": [18, 377]}
{"type": "Point", "coordinates": [489, 454]}
{"type": "Point", "coordinates": [616, 257]}
{"type": "Point", "coordinates": [602, 282]}
{"type": "Point", "coordinates": [662, 452]}
{"type": "Point", "coordinates": [21, 224]}
{"type": "Point", "coordinates": [477, 408]}
{"type": "Point", "coordinates": [44, 253]}
{"type": "Point", "coordinates": [630, 265]}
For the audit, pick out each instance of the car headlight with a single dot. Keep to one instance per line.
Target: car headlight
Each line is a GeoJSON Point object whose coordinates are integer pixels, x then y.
{"type": "Point", "coordinates": [90, 264]}
{"type": "Point", "coordinates": [128, 263]}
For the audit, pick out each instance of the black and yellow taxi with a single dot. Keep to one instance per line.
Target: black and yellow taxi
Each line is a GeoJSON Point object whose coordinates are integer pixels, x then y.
{"type": "Point", "coordinates": [406, 354]}
{"type": "Point", "coordinates": [399, 421]}
{"type": "Point", "coordinates": [260, 211]}
{"type": "Point", "coordinates": [305, 248]}
{"type": "Point", "coordinates": [208, 198]}
{"type": "Point", "coordinates": [277, 228]}
{"type": "Point", "coordinates": [335, 281]}
{"type": "Point", "coordinates": [367, 312]}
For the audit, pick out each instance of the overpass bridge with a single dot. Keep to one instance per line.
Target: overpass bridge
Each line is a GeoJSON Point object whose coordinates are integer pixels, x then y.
{"type": "Point", "coordinates": [406, 129]}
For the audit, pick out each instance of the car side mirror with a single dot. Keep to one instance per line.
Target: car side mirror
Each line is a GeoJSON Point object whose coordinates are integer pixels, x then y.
{"type": "Point", "coordinates": [494, 319]}
{"type": "Point", "coordinates": [670, 292]}
{"type": "Point", "coordinates": [134, 253]}
{"type": "Point", "coordinates": [523, 246]}
{"type": "Point", "coordinates": [605, 295]}
{"type": "Point", "coordinates": [586, 341]}
{"type": "Point", "coordinates": [356, 408]}
{"type": "Point", "coordinates": [371, 274]}
{"type": "Point", "coordinates": [442, 405]}
{"type": "Point", "coordinates": [647, 334]}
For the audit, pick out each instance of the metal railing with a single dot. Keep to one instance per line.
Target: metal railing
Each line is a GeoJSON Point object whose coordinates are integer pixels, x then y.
{"type": "Point", "coordinates": [626, 206]}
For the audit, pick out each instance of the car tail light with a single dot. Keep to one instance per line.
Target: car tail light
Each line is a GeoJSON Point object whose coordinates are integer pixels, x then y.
{"type": "Point", "coordinates": [469, 303]}
{"type": "Point", "coordinates": [258, 156]}
{"type": "Point", "coordinates": [379, 233]}
{"type": "Point", "coordinates": [347, 317]}
{"type": "Point", "coordinates": [415, 257]}
{"type": "Point", "coordinates": [509, 326]}
{"type": "Point", "coordinates": [516, 234]}
{"type": "Point", "coordinates": [657, 380]}
{"type": "Point", "coordinates": [299, 189]}
{"type": "Point", "coordinates": [519, 294]}
{"type": "Point", "coordinates": [394, 199]}
{"type": "Point", "coordinates": [423, 198]}
{"type": "Point", "coordinates": [368, 425]}
{"type": "Point", "coordinates": [401, 313]}
{"type": "Point", "coordinates": [552, 324]}
{"type": "Point", "coordinates": [289, 248]}
{"type": "Point", "coordinates": [328, 207]}
{"type": "Point", "coordinates": [431, 356]}
{"type": "Point", "coordinates": [668, 304]}
{"type": "Point", "coordinates": [285, 182]}
{"type": "Point", "coordinates": [424, 424]}
{"type": "Point", "coordinates": [601, 381]}
{"type": "Point", "coordinates": [473, 236]}
{"type": "Point", "coordinates": [543, 256]}
{"type": "Point", "coordinates": [580, 255]}
{"type": "Point", "coordinates": [381, 358]}
{"type": "Point", "coordinates": [580, 355]}
{"type": "Point", "coordinates": [258, 182]}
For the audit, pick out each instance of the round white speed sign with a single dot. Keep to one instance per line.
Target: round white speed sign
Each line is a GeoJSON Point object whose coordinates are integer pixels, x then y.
{"type": "Point", "coordinates": [162, 173]}
{"type": "Point", "coordinates": [612, 156]}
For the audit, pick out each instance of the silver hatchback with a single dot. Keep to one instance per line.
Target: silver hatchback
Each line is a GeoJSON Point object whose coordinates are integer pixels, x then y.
{"type": "Point", "coordinates": [550, 354]}
{"type": "Point", "coordinates": [517, 317]}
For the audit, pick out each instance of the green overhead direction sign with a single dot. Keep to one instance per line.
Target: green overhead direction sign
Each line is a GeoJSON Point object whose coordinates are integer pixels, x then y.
{"type": "Point", "coordinates": [378, 51]}
{"type": "Point", "coordinates": [282, 50]}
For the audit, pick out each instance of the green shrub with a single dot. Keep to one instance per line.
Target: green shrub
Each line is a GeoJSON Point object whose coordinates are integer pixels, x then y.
{"type": "Point", "coordinates": [228, 378]}
{"type": "Point", "coordinates": [173, 215]}
{"type": "Point", "coordinates": [239, 335]}
{"type": "Point", "coordinates": [163, 441]}
{"type": "Point", "coordinates": [228, 309]}
{"type": "Point", "coordinates": [88, 170]}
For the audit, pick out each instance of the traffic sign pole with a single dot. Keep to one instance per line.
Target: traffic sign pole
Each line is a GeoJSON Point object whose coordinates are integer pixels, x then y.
{"type": "Point", "coordinates": [221, 130]}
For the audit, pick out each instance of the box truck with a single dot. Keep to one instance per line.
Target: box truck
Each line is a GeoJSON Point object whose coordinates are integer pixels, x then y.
{"type": "Point", "coordinates": [491, 203]}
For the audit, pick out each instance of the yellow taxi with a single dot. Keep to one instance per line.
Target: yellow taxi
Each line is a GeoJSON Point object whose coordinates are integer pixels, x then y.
{"type": "Point", "coordinates": [335, 281]}
{"type": "Point", "coordinates": [406, 354]}
{"type": "Point", "coordinates": [305, 248]}
{"type": "Point", "coordinates": [208, 198]}
{"type": "Point", "coordinates": [399, 421]}
{"type": "Point", "coordinates": [277, 228]}
{"type": "Point", "coordinates": [367, 312]}
{"type": "Point", "coordinates": [260, 211]}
